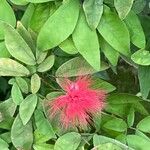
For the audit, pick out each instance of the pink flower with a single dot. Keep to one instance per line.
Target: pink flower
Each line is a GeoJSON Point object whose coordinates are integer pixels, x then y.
{"type": "Point", "coordinates": [80, 103]}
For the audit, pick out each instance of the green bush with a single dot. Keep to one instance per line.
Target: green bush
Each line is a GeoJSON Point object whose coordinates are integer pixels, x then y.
{"type": "Point", "coordinates": [46, 43]}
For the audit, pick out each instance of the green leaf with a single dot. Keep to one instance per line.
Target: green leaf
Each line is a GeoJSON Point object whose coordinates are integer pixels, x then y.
{"type": "Point", "coordinates": [38, 1]}
{"type": "Point", "coordinates": [19, 2]}
{"type": "Point", "coordinates": [17, 47]}
{"type": "Point", "coordinates": [16, 94]}
{"type": "Point", "coordinates": [144, 79]}
{"type": "Point", "coordinates": [3, 145]}
{"type": "Point", "coordinates": [35, 83]}
{"type": "Point", "coordinates": [43, 146]}
{"type": "Point", "coordinates": [138, 6]}
{"type": "Point", "coordinates": [7, 15]}
{"type": "Point", "coordinates": [7, 108]}
{"type": "Point", "coordinates": [43, 126]}
{"type": "Point", "coordinates": [68, 46]}
{"type": "Point", "coordinates": [130, 117]}
{"type": "Point", "coordinates": [66, 16]}
{"type": "Point", "coordinates": [138, 142]}
{"type": "Point", "coordinates": [6, 137]}
{"type": "Point", "coordinates": [76, 67]}
{"type": "Point", "coordinates": [123, 7]}
{"type": "Point", "coordinates": [40, 56]}
{"type": "Point", "coordinates": [120, 104]}
{"type": "Point", "coordinates": [86, 42]}
{"type": "Point", "coordinates": [26, 36]}
{"type": "Point", "coordinates": [46, 64]}
{"type": "Point", "coordinates": [98, 139]}
{"type": "Point", "coordinates": [144, 124]}
{"type": "Point", "coordinates": [116, 124]}
{"type": "Point", "coordinates": [111, 54]}
{"type": "Point", "coordinates": [69, 141]}
{"type": "Point", "coordinates": [115, 32]}
{"type": "Point", "coordinates": [9, 67]}
{"type": "Point", "coordinates": [3, 51]}
{"type": "Point", "coordinates": [23, 85]}
{"type": "Point", "coordinates": [93, 11]}
{"type": "Point", "coordinates": [40, 16]}
{"type": "Point", "coordinates": [27, 108]}
{"type": "Point", "coordinates": [135, 29]}
{"type": "Point", "coordinates": [21, 136]}
{"type": "Point", "coordinates": [28, 15]}
{"type": "Point", "coordinates": [98, 83]}
{"type": "Point", "coordinates": [108, 146]}
{"type": "Point", "coordinates": [141, 57]}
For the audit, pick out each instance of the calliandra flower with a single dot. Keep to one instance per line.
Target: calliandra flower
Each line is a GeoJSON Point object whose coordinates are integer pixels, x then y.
{"type": "Point", "coordinates": [79, 104]}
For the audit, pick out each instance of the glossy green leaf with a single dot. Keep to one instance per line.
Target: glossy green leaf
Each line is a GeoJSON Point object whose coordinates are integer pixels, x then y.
{"type": "Point", "coordinates": [138, 142]}
{"type": "Point", "coordinates": [99, 139]}
{"type": "Point", "coordinates": [141, 57]}
{"type": "Point", "coordinates": [43, 126]}
{"type": "Point", "coordinates": [68, 46]}
{"type": "Point", "coordinates": [116, 124]}
{"type": "Point", "coordinates": [27, 107]}
{"type": "Point", "coordinates": [35, 83]}
{"type": "Point", "coordinates": [93, 11]}
{"type": "Point", "coordinates": [86, 42]}
{"type": "Point", "coordinates": [7, 15]}
{"type": "Point", "coordinates": [16, 94]}
{"type": "Point", "coordinates": [3, 51]}
{"type": "Point", "coordinates": [144, 124]}
{"type": "Point", "coordinates": [144, 79]}
{"type": "Point", "coordinates": [17, 46]}
{"type": "Point", "coordinates": [23, 85]}
{"type": "Point", "coordinates": [3, 144]}
{"type": "Point", "coordinates": [21, 136]}
{"type": "Point", "coordinates": [19, 2]}
{"type": "Point", "coordinates": [98, 83]}
{"type": "Point", "coordinates": [46, 64]}
{"type": "Point", "coordinates": [111, 54]}
{"type": "Point", "coordinates": [40, 16]}
{"type": "Point", "coordinates": [135, 29]}
{"type": "Point", "coordinates": [76, 67]}
{"type": "Point", "coordinates": [123, 7]}
{"type": "Point", "coordinates": [130, 117]}
{"type": "Point", "coordinates": [9, 67]}
{"type": "Point", "coordinates": [69, 141]}
{"type": "Point", "coordinates": [65, 16]}
{"type": "Point", "coordinates": [115, 32]}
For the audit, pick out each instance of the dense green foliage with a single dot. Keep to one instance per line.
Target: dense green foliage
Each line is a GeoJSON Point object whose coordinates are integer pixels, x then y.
{"type": "Point", "coordinates": [44, 41]}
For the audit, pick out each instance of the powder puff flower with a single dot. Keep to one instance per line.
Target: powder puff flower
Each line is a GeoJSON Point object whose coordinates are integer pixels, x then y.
{"type": "Point", "coordinates": [79, 104]}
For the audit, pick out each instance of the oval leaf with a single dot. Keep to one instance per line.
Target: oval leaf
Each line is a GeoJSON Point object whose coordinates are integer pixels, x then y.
{"type": "Point", "coordinates": [62, 22]}
{"type": "Point", "coordinates": [76, 67]}
{"type": "Point", "coordinates": [69, 141]}
{"type": "Point", "coordinates": [123, 7]}
{"type": "Point", "coordinates": [86, 42]}
{"type": "Point", "coordinates": [93, 11]}
{"type": "Point", "coordinates": [9, 67]}
{"type": "Point", "coordinates": [115, 32]}
{"type": "Point", "coordinates": [135, 29]}
{"type": "Point", "coordinates": [17, 47]}
{"type": "Point", "coordinates": [27, 107]}
{"type": "Point", "coordinates": [3, 51]}
{"type": "Point", "coordinates": [46, 64]}
{"type": "Point", "coordinates": [7, 15]}
{"type": "Point", "coordinates": [35, 83]}
{"type": "Point", "coordinates": [141, 57]}
{"type": "Point", "coordinates": [16, 94]}
{"type": "Point", "coordinates": [144, 125]}
{"type": "Point", "coordinates": [19, 2]}
{"type": "Point", "coordinates": [21, 136]}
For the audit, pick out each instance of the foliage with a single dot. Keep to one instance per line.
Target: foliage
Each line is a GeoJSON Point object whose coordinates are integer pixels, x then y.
{"type": "Point", "coordinates": [43, 42]}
